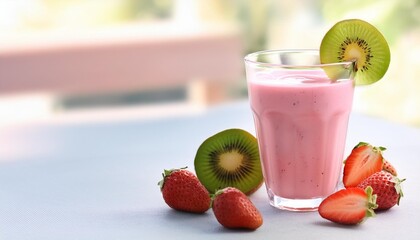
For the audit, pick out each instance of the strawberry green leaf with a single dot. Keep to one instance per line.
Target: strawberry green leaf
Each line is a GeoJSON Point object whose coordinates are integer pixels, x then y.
{"type": "Point", "coordinates": [371, 202]}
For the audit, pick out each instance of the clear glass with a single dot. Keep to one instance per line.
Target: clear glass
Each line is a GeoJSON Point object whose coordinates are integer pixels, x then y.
{"type": "Point", "coordinates": [301, 110]}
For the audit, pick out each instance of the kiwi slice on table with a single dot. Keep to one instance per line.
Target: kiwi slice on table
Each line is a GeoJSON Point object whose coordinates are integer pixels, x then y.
{"type": "Point", "coordinates": [358, 41]}
{"type": "Point", "coordinates": [229, 159]}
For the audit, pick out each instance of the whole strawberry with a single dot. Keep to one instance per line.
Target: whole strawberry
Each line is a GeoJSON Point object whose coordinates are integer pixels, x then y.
{"type": "Point", "coordinates": [233, 209]}
{"type": "Point", "coordinates": [182, 191]}
{"type": "Point", "coordinates": [387, 166]}
{"type": "Point", "coordinates": [387, 188]}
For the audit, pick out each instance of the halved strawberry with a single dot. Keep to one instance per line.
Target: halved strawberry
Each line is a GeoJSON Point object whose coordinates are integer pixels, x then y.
{"type": "Point", "coordinates": [348, 206]}
{"type": "Point", "coordinates": [363, 161]}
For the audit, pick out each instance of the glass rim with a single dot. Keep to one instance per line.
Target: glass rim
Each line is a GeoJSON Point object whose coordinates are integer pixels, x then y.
{"type": "Point", "coordinates": [248, 59]}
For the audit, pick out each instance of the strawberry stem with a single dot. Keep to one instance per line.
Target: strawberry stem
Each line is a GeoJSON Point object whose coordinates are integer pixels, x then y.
{"type": "Point", "coordinates": [397, 185]}
{"type": "Point", "coordinates": [371, 202]}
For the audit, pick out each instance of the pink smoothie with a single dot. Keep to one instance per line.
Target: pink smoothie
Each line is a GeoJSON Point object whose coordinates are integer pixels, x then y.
{"type": "Point", "coordinates": [301, 124]}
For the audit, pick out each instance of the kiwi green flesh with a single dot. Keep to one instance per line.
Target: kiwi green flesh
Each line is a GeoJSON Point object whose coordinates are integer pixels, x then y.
{"type": "Point", "coordinates": [229, 159]}
{"type": "Point", "coordinates": [358, 41]}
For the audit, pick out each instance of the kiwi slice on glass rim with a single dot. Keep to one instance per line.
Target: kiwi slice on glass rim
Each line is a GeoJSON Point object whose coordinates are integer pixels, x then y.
{"type": "Point", "coordinates": [229, 158]}
{"type": "Point", "coordinates": [360, 42]}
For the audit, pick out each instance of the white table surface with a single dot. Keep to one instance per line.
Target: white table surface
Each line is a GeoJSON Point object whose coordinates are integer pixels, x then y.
{"type": "Point", "coordinates": [99, 181]}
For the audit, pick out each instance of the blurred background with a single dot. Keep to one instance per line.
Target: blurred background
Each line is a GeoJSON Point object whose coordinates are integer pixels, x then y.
{"type": "Point", "coordinates": [166, 57]}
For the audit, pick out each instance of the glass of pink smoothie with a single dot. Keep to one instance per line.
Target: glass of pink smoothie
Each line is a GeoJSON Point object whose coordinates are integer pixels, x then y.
{"type": "Point", "coordinates": [301, 116]}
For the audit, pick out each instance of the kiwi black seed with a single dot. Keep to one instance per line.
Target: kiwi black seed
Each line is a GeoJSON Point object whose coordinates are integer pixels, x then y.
{"type": "Point", "coordinates": [229, 159]}
{"type": "Point", "coordinates": [360, 42]}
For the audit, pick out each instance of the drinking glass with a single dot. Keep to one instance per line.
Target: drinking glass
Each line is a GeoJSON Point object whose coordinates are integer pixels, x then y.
{"type": "Point", "coordinates": [301, 110]}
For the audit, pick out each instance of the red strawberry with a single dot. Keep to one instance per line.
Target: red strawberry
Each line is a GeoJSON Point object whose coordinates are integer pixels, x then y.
{"type": "Point", "coordinates": [348, 206]}
{"type": "Point", "coordinates": [233, 209]}
{"type": "Point", "coordinates": [387, 166]}
{"type": "Point", "coordinates": [363, 161]}
{"type": "Point", "coordinates": [182, 191]}
{"type": "Point", "coordinates": [387, 188]}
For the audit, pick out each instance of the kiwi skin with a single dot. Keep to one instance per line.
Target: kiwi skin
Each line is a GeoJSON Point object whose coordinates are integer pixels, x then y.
{"type": "Point", "coordinates": [229, 158]}
{"type": "Point", "coordinates": [360, 42]}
